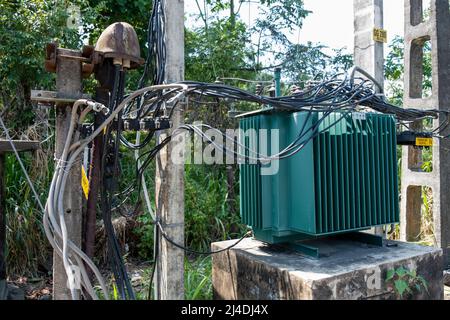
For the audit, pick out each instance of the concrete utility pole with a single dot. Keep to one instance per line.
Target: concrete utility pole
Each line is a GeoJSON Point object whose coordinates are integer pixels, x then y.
{"type": "Point", "coordinates": [419, 30]}
{"type": "Point", "coordinates": [68, 85]}
{"type": "Point", "coordinates": [369, 53]}
{"type": "Point", "coordinates": [170, 177]}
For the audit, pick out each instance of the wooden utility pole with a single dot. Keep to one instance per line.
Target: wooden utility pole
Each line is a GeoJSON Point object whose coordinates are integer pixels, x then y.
{"type": "Point", "coordinates": [68, 85]}
{"type": "Point", "coordinates": [170, 176]}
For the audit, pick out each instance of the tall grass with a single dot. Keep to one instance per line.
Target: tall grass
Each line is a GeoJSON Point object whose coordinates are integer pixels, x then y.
{"type": "Point", "coordinates": [197, 280]}
{"type": "Point", "coordinates": [27, 246]}
{"type": "Point", "coordinates": [210, 216]}
{"type": "Point", "coordinates": [427, 222]}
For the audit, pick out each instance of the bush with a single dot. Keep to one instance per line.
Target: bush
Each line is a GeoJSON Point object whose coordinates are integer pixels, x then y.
{"type": "Point", "coordinates": [209, 215]}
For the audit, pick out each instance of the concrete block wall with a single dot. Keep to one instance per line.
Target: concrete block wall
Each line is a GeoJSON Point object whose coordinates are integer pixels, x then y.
{"type": "Point", "coordinates": [418, 29]}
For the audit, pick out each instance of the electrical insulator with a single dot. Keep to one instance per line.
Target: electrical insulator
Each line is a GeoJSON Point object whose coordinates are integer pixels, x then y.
{"type": "Point", "coordinates": [295, 89]}
{"type": "Point", "coordinates": [259, 89]}
{"type": "Point", "coordinates": [272, 90]}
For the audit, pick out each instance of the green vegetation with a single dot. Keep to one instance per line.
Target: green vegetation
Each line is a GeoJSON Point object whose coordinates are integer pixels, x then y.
{"type": "Point", "coordinates": [26, 241]}
{"type": "Point", "coordinates": [220, 45]}
{"type": "Point", "coordinates": [405, 282]}
{"type": "Point", "coordinates": [197, 279]}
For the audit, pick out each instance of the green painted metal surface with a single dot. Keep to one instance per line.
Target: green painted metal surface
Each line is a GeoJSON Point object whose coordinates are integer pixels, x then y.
{"type": "Point", "coordinates": [345, 179]}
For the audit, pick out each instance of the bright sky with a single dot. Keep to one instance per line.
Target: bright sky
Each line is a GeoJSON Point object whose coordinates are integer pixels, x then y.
{"type": "Point", "coordinates": [331, 21]}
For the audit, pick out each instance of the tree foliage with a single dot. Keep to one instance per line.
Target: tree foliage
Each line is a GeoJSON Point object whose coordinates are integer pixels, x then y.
{"type": "Point", "coordinates": [222, 45]}
{"type": "Point", "coordinates": [25, 28]}
{"type": "Point", "coordinates": [252, 49]}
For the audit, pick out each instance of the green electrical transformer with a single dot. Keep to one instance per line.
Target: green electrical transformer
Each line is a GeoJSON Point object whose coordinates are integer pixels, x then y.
{"type": "Point", "coordinates": [343, 180]}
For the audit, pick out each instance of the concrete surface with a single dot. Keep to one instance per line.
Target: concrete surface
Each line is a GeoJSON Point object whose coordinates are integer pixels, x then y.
{"type": "Point", "coordinates": [254, 270]}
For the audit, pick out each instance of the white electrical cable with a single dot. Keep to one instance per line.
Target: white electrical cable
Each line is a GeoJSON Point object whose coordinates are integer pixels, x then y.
{"type": "Point", "coordinates": [144, 183]}
{"type": "Point", "coordinates": [55, 204]}
{"type": "Point", "coordinates": [55, 201]}
{"type": "Point", "coordinates": [41, 206]}
{"type": "Point", "coordinates": [65, 236]}
{"type": "Point", "coordinates": [54, 214]}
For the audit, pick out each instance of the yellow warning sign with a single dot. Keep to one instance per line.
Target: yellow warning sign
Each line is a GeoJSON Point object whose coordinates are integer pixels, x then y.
{"type": "Point", "coordinates": [379, 35]}
{"type": "Point", "coordinates": [84, 182]}
{"type": "Point", "coordinates": [424, 142]}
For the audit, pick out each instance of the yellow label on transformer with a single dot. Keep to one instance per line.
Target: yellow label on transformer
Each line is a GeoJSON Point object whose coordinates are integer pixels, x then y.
{"type": "Point", "coordinates": [379, 35]}
{"type": "Point", "coordinates": [424, 142]}
{"type": "Point", "coordinates": [84, 182]}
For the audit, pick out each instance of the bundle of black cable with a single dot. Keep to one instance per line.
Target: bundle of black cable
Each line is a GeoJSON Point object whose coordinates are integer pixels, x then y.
{"type": "Point", "coordinates": [109, 178]}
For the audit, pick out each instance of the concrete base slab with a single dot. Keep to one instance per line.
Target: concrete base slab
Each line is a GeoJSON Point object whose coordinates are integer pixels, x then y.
{"type": "Point", "coordinates": [352, 270]}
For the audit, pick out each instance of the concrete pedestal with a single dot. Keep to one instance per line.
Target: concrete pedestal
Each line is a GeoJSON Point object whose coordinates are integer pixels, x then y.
{"type": "Point", "coordinates": [350, 270]}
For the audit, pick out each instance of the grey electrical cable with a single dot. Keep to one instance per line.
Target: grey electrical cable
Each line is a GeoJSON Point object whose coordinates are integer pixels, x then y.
{"type": "Point", "coordinates": [52, 201]}
{"type": "Point", "coordinates": [70, 154]}
{"type": "Point", "coordinates": [30, 183]}
{"type": "Point", "coordinates": [355, 69]}
{"type": "Point", "coordinates": [144, 183]}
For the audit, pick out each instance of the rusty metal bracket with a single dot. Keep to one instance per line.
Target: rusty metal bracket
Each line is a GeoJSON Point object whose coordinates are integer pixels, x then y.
{"type": "Point", "coordinates": [89, 58]}
{"type": "Point", "coordinates": [54, 97]}
{"type": "Point", "coordinates": [119, 42]}
{"type": "Point", "coordinates": [50, 57]}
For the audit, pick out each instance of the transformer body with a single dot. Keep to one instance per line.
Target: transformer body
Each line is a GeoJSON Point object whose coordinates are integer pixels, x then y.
{"type": "Point", "coordinates": [344, 179]}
